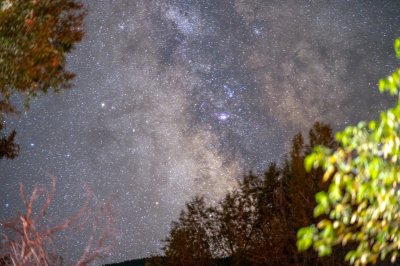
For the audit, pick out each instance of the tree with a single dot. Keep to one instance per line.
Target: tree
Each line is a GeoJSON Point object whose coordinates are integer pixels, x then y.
{"type": "Point", "coordinates": [238, 221]}
{"type": "Point", "coordinates": [301, 188]}
{"type": "Point", "coordinates": [256, 223]}
{"type": "Point", "coordinates": [361, 206]}
{"type": "Point", "coordinates": [302, 184]}
{"type": "Point", "coordinates": [8, 148]}
{"type": "Point", "coordinates": [189, 243]}
{"type": "Point", "coordinates": [272, 247]}
{"type": "Point", "coordinates": [35, 37]}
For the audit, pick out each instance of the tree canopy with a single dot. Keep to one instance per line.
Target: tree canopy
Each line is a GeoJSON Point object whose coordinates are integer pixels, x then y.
{"type": "Point", "coordinates": [361, 206]}
{"type": "Point", "coordinates": [35, 37]}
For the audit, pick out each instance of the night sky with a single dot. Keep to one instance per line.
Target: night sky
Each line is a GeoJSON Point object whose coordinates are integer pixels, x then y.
{"type": "Point", "coordinates": [174, 98]}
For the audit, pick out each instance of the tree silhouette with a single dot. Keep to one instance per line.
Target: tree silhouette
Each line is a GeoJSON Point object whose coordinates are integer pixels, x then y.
{"type": "Point", "coordinates": [8, 148]}
{"type": "Point", "coordinates": [256, 223]}
{"type": "Point", "coordinates": [237, 216]}
{"type": "Point", "coordinates": [188, 243]}
{"type": "Point", "coordinates": [302, 186]}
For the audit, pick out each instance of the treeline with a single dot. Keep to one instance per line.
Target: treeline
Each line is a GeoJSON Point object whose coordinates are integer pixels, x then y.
{"type": "Point", "coordinates": [256, 224]}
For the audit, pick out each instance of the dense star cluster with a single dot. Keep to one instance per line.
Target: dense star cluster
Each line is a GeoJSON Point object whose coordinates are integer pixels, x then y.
{"type": "Point", "coordinates": [176, 97]}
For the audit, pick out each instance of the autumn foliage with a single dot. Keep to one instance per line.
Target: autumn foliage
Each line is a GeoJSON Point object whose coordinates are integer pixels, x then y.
{"type": "Point", "coordinates": [35, 38]}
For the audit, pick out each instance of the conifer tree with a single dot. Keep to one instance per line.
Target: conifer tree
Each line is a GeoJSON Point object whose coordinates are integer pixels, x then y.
{"type": "Point", "coordinates": [188, 242]}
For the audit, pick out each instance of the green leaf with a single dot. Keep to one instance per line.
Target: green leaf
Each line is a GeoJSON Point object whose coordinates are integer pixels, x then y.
{"type": "Point", "coordinates": [305, 237]}
{"type": "Point", "coordinates": [322, 199]}
{"type": "Point", "coordinates": [350, 256]}
{"type": "Point", "coordinates": [372, 125]}
{"type": "Point", "coordinates": [324, 250]}
{"type": "Point", "coordinates": [397, 47]}
{"type": "Point", "coordinates": [382, 85]}
{"type": "Point", "coordinates": [309, 162]}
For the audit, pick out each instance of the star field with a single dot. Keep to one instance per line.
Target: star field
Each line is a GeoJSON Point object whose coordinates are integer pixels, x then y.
{"type": "Point", "coordinates": [174, 98]}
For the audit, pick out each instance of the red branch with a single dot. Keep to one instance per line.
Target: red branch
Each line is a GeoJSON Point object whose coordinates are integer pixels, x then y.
{"type": "Point", "coordinates": [26, 244]}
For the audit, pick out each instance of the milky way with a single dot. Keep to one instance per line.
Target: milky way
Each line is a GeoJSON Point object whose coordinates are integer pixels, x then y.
{"type": "Point", "coordinates": [175, 98]}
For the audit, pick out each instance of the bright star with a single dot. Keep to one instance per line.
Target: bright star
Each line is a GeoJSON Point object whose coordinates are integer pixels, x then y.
{"type": "Point", "coordinates": [223, 116]}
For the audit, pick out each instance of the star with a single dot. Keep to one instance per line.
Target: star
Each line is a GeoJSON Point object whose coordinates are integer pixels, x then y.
{"type": "Point", "coordinates": [223, 116]}
{"type": "Point", "coordinates": [257, 31]}
{"type": "Point", "coordinates": [228, 91]}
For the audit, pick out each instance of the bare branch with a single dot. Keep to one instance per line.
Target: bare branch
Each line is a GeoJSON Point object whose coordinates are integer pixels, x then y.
{"type": "Point", "coordinates": [27, 244]}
